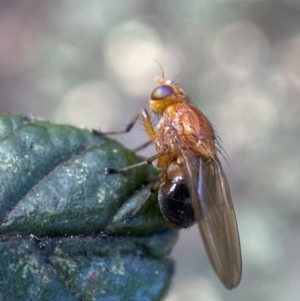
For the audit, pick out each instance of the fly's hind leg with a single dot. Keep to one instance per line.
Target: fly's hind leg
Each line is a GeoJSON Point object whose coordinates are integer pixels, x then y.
{"type": "Point", "coordinates": [151, 133]}
{"type": "Point", "coordinates": [138, 208]}
{"type": "Point", "coordinates": [152, 190]}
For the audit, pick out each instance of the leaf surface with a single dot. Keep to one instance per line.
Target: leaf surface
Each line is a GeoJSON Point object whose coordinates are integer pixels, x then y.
{"type": "Point", "coordinates": [62, 231]}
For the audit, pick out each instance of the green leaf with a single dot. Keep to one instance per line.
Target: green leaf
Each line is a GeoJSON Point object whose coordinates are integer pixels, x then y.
{"type": "Point", "coordinates": [62, 230]}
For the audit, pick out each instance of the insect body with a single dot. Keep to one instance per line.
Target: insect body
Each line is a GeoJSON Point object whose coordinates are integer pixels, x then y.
{"type": "Point", "coordinates": [192, 185]}
{"type": "Point", "coordinates": [182, 130]}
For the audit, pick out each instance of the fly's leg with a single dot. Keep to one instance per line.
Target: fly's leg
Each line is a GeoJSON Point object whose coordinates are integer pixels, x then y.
{"type": "Point", "coordinates": [151, 133]}
{"type": "Point", "coordinates": [138, 208]}
{"type": "Point", "coordinates": [124, 169]}
{"type": "Point", "coordinates": [127, 128]}
{"type": "Point", "coordinates": [144, 145]}
{"type": "Point", "coordinates": [147, 124]}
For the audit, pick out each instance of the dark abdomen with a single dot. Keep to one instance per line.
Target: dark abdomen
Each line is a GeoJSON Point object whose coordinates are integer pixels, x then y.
{"type": "Point", "coordinates": [175, 203]}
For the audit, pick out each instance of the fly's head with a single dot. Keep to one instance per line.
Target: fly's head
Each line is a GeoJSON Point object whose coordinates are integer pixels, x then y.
{"type": "Point", "coordinates": [165, 95]}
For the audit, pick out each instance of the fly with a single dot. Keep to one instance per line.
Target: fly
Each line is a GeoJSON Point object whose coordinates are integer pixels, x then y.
{"type": "Point", "coordinates": [192, 185]}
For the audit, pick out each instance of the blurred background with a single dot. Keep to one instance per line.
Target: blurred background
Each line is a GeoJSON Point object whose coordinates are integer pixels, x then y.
{"type": "Point", "coordinates": [91, 64]}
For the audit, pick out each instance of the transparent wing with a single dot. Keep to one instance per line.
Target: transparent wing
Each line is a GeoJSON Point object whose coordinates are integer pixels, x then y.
{"type": "Point", "coordinates": [214, 212]}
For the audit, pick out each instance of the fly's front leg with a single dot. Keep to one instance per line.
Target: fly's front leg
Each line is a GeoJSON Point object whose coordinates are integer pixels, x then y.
{"type": "Point", "coordinates": [151, 133]}
{"type": "Point", "coordinates": [147, 124]}
{"type": "Point", "coordinates": [149, 129]}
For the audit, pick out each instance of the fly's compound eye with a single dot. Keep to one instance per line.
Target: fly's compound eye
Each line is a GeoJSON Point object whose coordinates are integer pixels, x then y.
{"type": "Point", "coordinates": [161, 92]}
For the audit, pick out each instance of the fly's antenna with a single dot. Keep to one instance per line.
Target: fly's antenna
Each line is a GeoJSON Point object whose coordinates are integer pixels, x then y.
{"type": "Point", "coordinates": [161, 68]}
